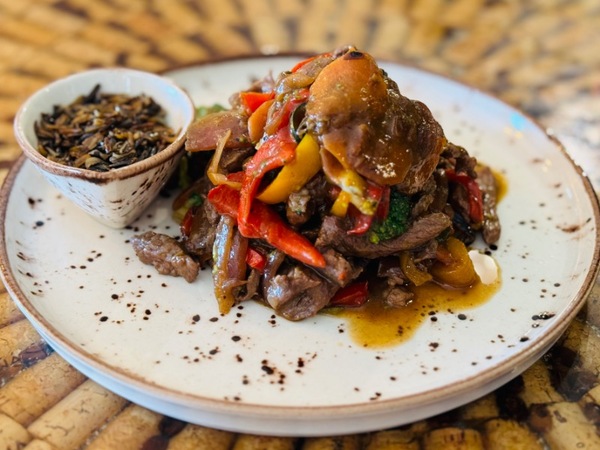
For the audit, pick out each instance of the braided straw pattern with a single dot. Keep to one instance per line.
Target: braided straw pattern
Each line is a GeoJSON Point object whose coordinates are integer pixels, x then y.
{"type": "Point", "coordinates": [540, 55]}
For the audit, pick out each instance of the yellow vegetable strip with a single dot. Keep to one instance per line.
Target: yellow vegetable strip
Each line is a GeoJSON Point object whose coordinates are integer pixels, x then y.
{"type": "Point", "coordinates": [295, 174]}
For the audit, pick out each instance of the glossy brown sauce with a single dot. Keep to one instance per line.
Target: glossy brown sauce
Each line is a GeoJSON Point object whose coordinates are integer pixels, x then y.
{"type": "Point", "coordinates": [376, 325]}
{"type": "Point", "coordinates": [501, 185]}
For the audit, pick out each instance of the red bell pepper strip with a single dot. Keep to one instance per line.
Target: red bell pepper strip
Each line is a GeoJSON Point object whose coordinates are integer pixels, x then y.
{"type": "Point", "coordinates": [362, 222]}
{"type": "Point", "coordinates": [474, 192]}
{"type": "Point", "coordinates": [186, 223]}
{"type": "Point", "coordinates": [264, 223]}
{"type": "Point", "coordinates": [355, 294]}
{"type": "Point", "coordinates": [275, 152]}
{"type": "Point", "coordinates": [281, 117]}
{"type": "Point", "coordinates": [252, 100]}
{"type": "Point", "coordinates": [256, 259]}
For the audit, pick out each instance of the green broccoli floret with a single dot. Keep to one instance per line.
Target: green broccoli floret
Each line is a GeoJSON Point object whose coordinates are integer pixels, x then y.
{"type": "Point", "coordinates": [396, 221]}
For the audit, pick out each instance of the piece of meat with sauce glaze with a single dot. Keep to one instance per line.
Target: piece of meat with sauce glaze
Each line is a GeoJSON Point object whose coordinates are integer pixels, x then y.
{"type": "Point", "coordinates": [166, 254]}
{"type": "Point", "coordinates": [334, 234]}
{"type": "Point", "coordinates": [299, 293]}
{"type": "Point", "coordinates": [491, 228]}
{"type": "Point", "coordinates": [205, 133]}
{"type": "Point", "coordinates": [199, 241]}
{"type": "Point", "coordinates": [364, 123]}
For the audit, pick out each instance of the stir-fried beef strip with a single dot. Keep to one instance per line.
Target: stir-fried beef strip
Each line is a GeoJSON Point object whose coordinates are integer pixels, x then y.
{"type": "Point", "coordinates": [340, 270]}
{"type": "Point", "coordinates": [303, 204]}
{"type": "Point", "coordinates": [491, 223]}
{"type": "Point", "coordinates": [458, 159]}
{"type": "Point", "coordinates": [389, 269]}
{"type": "Point", "coordinates": [334, 234]}
{"type": "Point", "coordinates": [166, 254]}
{"type": "Point", "coordinates": [397, 296]}
{"type": "Point", "coordinates": [299, 207]}
{"type": "Point", "coordinates": [211, 127]}
{"type": "Point", "coordinates": [199, 242]}
{"type": "Point", "coordinates": [274, 260]}
{"type": "Point", "coordinates": [299, 293]}
{"type": "Point", "coordinates": [233, 159]}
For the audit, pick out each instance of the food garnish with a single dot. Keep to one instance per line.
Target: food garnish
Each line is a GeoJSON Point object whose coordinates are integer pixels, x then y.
{"type": "Point", "coordinates": [314, 186]}
{"type": "Point", "coordinates": [103, 131]}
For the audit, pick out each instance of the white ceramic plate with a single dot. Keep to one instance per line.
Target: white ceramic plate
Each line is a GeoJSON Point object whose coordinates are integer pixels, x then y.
{"type": "Point", "coordinates": [160, 341]}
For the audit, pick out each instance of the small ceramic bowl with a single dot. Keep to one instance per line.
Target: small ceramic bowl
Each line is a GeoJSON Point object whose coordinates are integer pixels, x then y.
{"type": "Point", "coordinates": [118, 196]}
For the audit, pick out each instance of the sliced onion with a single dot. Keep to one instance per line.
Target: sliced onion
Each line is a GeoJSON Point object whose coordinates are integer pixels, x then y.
{"type": "Point", "coordinates": [212, 171]}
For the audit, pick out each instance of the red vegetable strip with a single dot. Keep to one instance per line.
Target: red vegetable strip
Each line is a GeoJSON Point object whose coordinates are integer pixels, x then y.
{"type": "Point", "coordinates": [264, 223]}
{"type": "Point", "coordinates": [252, 100]}
{"type": "Point", "coordinates": [281, 117]}
{"type": "Point", "coordinates": [355, 294]}
{"type": "Point", "coordinates": [362, 222]}
{"type": "Point", "coordinates": [276, 232]}
{"type": "Point", "coordinates": [272, 154]}
{"type": "Point", "coordinates": [256, 259]}
{"type": "Point", "coordinates": [186, 223]}
{"type": "Point", "coordinates": [474, 191]}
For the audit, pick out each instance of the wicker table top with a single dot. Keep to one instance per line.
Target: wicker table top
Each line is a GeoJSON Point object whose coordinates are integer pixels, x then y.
{"type": "Point", "coordinates": [543, 56]}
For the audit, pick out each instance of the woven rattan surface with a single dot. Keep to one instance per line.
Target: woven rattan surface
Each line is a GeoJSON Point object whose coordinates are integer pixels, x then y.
{"type": "Point", "coordinates": [542, 56]}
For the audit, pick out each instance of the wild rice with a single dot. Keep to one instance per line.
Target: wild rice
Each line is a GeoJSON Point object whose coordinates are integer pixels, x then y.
{"type": "Point", "coordinates": [101, 131]}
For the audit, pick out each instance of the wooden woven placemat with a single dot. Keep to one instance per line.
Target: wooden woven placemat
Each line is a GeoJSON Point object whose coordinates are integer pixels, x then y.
{"type": "Point", "coordinates": [541, 56]}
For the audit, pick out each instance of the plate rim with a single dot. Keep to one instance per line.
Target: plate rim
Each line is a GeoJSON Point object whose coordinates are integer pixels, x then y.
{"type": "Point", "coordinates": [499, 371]}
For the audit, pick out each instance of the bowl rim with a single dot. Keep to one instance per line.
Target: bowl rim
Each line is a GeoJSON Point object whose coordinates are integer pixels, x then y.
{"type": "Point", "coordinates": [119, 173]}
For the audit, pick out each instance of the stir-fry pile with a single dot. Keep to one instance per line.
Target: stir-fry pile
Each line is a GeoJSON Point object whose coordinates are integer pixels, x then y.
{"type": "Point", "coordinates": [317, 185]}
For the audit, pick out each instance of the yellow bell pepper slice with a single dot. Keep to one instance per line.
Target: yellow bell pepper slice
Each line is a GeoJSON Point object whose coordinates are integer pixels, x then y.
{"type": "Point", "coordinates": [340, 206]}
{"type": "Point", "coordinates": [460, 272]}
{"type": "Point", "coordinates": [356, 187]}
{"type": "Point", "coordinates": [295, 174]}
{"type": "Point", "coordinates": [353, 186]}
{"type": "Point", "coordinates": [412, 272]}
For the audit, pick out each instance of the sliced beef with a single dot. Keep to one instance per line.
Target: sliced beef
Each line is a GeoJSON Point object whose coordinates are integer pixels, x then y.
{"type": "Point", "coordinates": [440, 198]}
{"type": "Point", "coordinates": [205, 133]}
{"type": "Point", "coordinates": [397, 296]}
{"type": "Point", "coordinates": [389, 269]}
{"type": "Point", "coordinates": [491, 228]}
{"type": "Point", "coordinates": [299, 293]}
{"type": "Point", "coordinates": [457, 158]}
{"type": "Point", "coordinates": [200, 240]}
{"type": "Point", "coordinates": [334, 234]}
{"type": "Point", "coordinates": [339, 269]}
{"type": "Point", "coordinates": [299, 208]}
{"type": "Point", "coordinates": [312, 199]}
{"type": "Point", "coordinates": [252, 285]}
{"type": "Point", "coordinates": [425, 199]}
{"type": "Point", "coordinates": [462, 229]}
{"type": "Point", "coordinates": [166, 255]}
{"type": "Point", "coordinates": [232, 159]}
{"type": "Point", "coordinates": [459, 199]}
{"type": "Point", "coordinates": [426, 252]}
{"type": "Point", "coordinates": [275, 259]}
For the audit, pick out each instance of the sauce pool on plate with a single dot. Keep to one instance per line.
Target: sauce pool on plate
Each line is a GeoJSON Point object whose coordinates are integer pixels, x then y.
{"type": "Point", "coordinates": [376, 325]}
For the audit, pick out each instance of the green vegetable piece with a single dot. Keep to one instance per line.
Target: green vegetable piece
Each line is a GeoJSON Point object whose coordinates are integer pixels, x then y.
{"type": "Point", "coordinates": [204, 110]}
{"type": "Point", "coordinates": [396, 221]}
{"type": "Point", "coordinates": [193, 200]}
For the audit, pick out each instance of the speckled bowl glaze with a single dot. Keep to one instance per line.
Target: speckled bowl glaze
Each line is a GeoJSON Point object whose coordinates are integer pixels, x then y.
{"type": "Point", "coordinates": [117, 197]}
